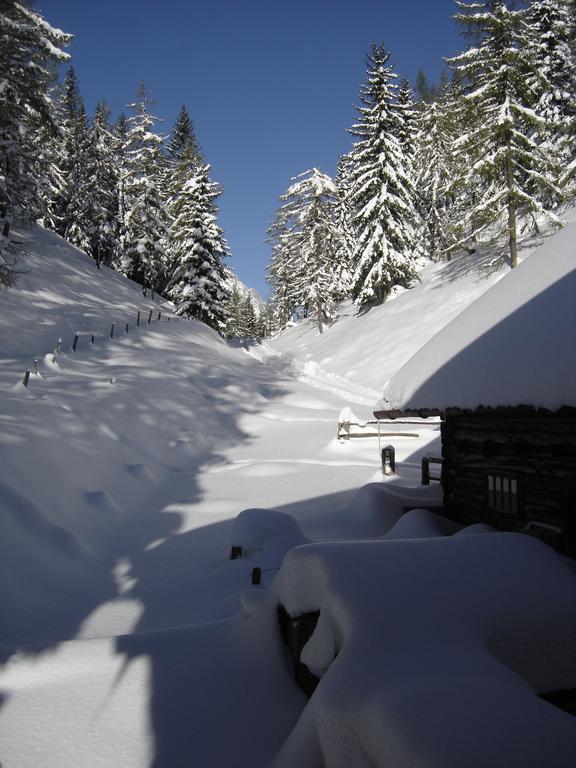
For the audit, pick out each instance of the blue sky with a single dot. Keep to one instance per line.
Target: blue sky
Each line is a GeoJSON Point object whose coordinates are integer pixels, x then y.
{"type": "Point", "coordinates": [270, 85]}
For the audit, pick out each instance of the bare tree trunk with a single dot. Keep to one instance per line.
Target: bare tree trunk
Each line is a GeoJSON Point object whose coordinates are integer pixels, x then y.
{"type": "Point", "coordinates": [511, 209]}
{"type": "Point", "coordinates": [320, 323]}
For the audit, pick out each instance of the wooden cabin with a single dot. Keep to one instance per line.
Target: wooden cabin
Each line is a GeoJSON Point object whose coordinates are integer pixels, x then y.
{"type": "Point", "coordinates": [503, 377]}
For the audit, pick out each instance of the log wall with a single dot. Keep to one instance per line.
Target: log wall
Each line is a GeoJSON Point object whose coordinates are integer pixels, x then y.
{"type": "Point", "coordinates": [538, 448]}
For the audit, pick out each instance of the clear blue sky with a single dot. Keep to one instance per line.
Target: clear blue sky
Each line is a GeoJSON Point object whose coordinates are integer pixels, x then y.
{"type": "Point", "coordinates": [270, 84]}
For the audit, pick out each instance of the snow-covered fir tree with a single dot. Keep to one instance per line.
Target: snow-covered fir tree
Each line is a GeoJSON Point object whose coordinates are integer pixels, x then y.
{"type": "Point", "coordinates": [551, 25]}
{"type": "Point", "coordinates": [145, 219]}
{"type": "Point", "coordinates": [100, 182]}
{"type": "Point", "coordinates": [183, 137]}
{"type": "Point", "coordinates": [70, 161]}
{"type": "Point", "coordinates": [508, 167]}
{"type": "Point", "coordinates": [381, 192]}
{"type": "Point", "coordinates": [198, 282]}
{"type": "Point", "coordinates": [245, 310]}
{"type": "Point", "coordinates": [29, 51]}
{"type": "Point", "coordinates": [342, 274]}
{"type": "Point", "coordinates": [434, 168]}
{"type": "Point", "coordinates": [308, 246]}
{"type": "Point", "coordinates": [406, 106]}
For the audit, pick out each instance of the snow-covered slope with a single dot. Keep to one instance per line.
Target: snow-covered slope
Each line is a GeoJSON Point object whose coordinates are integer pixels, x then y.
{"type": "Point", "coordinates": [510, 347]}
{"type": "Point", "coordinates": [370, 348]}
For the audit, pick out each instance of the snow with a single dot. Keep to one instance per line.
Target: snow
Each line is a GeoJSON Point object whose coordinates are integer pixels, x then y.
{"type": "Point", "coordinates": [424, 669]}
{"type": "Point", "coordinates": [130, 468]}
{"type": "Point", "coordinates": [508, 348]}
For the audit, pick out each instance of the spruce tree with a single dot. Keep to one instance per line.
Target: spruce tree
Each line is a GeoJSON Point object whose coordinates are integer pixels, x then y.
{"type": "Point", "coordinates": [308, 246]}
{"type": "Point", "coordinates": [183, 137]}
{"type": "Point", "coordinates": [198, 283]}
{"type": "Point", "coordinates": [381, 193]}
{"type": "Point", "coordinates": [511, 172]}
{"type": "Point", "coordinates": [98, 214]}
{"type": "Point", "coordinates": [145, 219]}
{"type": "Point", "coordinates": [553, 84]}
{"type": "Point", "coordinates": [434, 168]}
{"type": "Point", "coordinates": [69, 160]}
{"type": "Point", "coordinates": [29, 51]}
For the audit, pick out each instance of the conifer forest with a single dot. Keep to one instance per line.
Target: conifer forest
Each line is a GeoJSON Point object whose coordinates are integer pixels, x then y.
{"type": "Point", "coordinates": [488, 154]}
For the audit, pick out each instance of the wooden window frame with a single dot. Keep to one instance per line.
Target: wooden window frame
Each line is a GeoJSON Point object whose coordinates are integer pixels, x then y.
{"type": "Point", "coordinates": [503, 493]}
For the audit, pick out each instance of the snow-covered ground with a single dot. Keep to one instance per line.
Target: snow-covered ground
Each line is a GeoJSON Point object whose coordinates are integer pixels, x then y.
{"type": "Point", "coordinates": [129, 468]}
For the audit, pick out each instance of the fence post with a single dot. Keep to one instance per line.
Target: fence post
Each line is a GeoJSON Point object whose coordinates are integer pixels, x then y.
{"type": "Point", "coordinates": [256, 576]}
{"type": "Point", "coordinates": [75, 342]}
{"type": "Point", "coordinates": [150, 317]}
{"type": "Point", "coordinates": [112, 330]}
{"type": "Point", "coordinates": [235, 552]}
{"type": "Point", "coordinates": [127, 326]}
{"type": "Point", "coordinates": [93, 338]}
{"type": "Point", "coordinates": [389, 460]}
{"type": "Point", "coordinates": [159, 315]}
{"type": "Point", "coordinates": [59, 346]}
{"type": "Point", "coordinates": [36, 367]}
{"type": "Point", "coordinates": [425, 470]}
{"type": "Point", "coordinates": [26, 378]}
{"type": "Point", "coordinates": [152, 294]}
{"type": "Point", "coordinates": [138, 319]}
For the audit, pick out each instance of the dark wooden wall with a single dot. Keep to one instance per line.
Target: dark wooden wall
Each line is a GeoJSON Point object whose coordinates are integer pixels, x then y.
{"type": "Point", "coordinates": [536, 447]}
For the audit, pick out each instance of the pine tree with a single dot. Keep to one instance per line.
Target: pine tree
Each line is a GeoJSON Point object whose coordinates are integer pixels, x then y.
{"type": "Point", "coordinates": [306, 237]}
{"type": "Point", "coordinates": [551, 25]}
{"type": "Point", "coordinates": [198, 282]}
{"type": "Point", "coordinates": [98, 214]}
{"type": "Point", "coordinates": [183, 137]}
{"type": "Point", "coordinates": [69, 161]}
{"type": "Point", "coordinates": [119, 149]}
{"type": "Point", "coordinates": [29, 51]}
{"type": "Point", "coordinates": [381, 193]}
{"type": "Point", "coordinates": [434, 173]}
{"type": "Point", "coordinates": [425, 93]}
{"type": "Point", "coordinates": [342, 273]}
{"type": "Point", "coordinates": [145, 219]}
{"type": "Point", "coordinates": [511, 172]}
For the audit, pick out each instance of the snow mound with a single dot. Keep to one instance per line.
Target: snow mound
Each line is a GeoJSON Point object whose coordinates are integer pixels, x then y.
{"type": "Point", "coordinates": [433, 652]}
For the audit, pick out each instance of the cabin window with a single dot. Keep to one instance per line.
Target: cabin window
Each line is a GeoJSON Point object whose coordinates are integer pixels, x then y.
{"type": "Point", "coordinates": [503, 494]}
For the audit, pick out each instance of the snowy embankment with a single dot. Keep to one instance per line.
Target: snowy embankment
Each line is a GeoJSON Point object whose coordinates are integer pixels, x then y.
{"type": "Point", "coordinates": [125, 467]}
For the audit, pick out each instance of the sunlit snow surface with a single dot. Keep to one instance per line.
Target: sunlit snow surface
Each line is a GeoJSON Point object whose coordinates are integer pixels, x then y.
{"type": "Point", "coordinates": [127, 635]}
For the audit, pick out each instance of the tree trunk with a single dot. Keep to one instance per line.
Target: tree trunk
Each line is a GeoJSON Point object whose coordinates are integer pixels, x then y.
{"type": "Point", "coordinates": [320, 323]}
{"type": "Point", "coordinates": [511, 209]}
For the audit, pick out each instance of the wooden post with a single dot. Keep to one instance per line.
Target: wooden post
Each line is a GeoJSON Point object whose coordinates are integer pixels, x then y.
{"type": "Point", "coordinates": [389, 460]}
{"type": "Point", "coordinates": [150, 317]}
{"type": "Point", "coordinates": [127, 326]}
{"type": "Point", "coordinates": [75, 342]}
{"type": "Point", "coordinates": [235, 552]}
{"type": "Point", "coordinates": [159, 315]}
{"type": "Point", "coordinates": [112, 330]}
{"type": "Point", "coordinates": [256, 576]}
{"type": "Point", "coordinates": [152, 294]}
{"type": "Point", "coordinates": [425, 470]}
{"type": "Point", "coordinates": [36, 367]}
{"type": "Point", "coordinates": [93, 338]}
{"type": "Point", "coordinates": [26, 378]}
{"type": "Point", "coordinates": [144, 290]}
{"type": "Point", "coordinates": [138, 319]}
{"type": "Point", "coordinates": [59, 346]}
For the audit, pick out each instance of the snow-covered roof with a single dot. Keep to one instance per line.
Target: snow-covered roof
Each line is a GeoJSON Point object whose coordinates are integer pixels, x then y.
{"type": "Point", "coordinates": [515, 345]}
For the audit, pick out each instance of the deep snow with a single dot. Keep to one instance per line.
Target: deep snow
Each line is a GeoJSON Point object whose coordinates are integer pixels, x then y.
{"type": "Point", "coordinates": [127, 635]}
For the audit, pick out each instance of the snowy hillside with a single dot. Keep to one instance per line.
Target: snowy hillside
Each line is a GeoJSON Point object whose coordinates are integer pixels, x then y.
{"type": "Point", "coordinates": [129, 468]}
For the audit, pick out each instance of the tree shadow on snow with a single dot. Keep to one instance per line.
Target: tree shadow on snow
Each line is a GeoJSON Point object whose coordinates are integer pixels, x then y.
{"type": "Point", "coordinates": [175, 576]}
